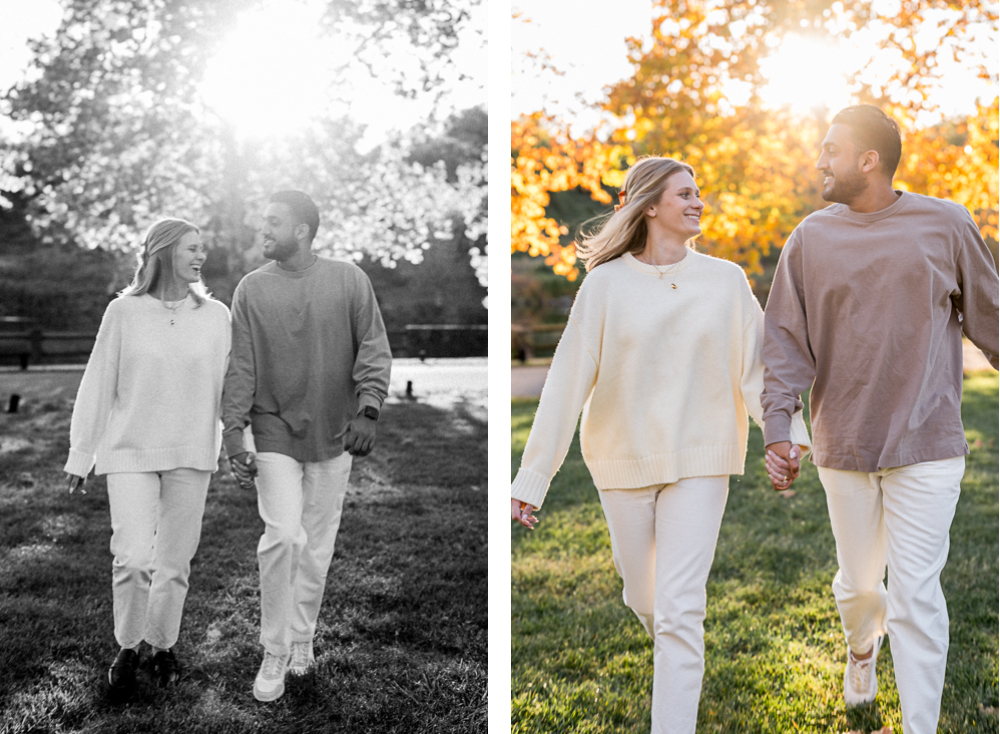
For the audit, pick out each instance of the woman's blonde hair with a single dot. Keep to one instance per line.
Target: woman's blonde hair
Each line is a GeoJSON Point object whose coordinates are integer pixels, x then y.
{"type": "Point", "coordinates": [625, 230]}
{"type": "Point", "coordinates": [157, 257]}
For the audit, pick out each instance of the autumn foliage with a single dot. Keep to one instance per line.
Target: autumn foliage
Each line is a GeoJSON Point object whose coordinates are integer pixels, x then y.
{"type": "Point", "coordinates": [545, 159]}
{"type": "Point", "coordinates": [755, 164]}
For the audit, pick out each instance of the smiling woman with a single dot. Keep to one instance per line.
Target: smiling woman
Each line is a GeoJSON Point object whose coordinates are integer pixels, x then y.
{"type": "Point", "coordinates": [271, 75]}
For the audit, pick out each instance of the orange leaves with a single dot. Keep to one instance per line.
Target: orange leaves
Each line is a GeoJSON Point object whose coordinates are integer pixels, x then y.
{"type": "Point", "coordinates": [756, 166]}
{"type": "Point", "coordinates": [957, 162]}
{"type": "Point", "coordinates": [544, 158]}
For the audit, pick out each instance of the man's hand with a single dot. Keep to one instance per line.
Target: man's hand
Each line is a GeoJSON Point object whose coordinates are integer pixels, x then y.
{"type": "Point", "coordinates": [360, 437]}
{"type": "Point", "coordinates": [521, 511]}
{"type": "Point", "coordinates": [244, 468]}
{"type": "Point", "coordinates": [782, 462]}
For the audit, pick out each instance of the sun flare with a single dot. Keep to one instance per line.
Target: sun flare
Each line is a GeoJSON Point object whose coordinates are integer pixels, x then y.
{"type": "Point", "coordinates": [270, 75]}
{"type": "Point", "coordinates": [808, 73]}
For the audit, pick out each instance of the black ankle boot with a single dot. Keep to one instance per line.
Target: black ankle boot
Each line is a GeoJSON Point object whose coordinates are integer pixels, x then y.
{"type": "Point", "coordinates": [121, 676]}
{"type": "Point", "coordinates": [166, 669]}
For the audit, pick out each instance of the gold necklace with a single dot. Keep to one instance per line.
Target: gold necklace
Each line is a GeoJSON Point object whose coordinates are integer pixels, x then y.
{"type": "Point", "coordinates": [657, 269]}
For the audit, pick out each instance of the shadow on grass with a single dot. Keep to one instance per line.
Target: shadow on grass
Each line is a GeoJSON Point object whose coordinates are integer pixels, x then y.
{"type": "Point", "coordinates": [401, 640]}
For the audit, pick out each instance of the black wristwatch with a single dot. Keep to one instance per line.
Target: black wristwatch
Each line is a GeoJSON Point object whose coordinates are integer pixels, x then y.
{"type": "Point", "coordinates": [369, 412]}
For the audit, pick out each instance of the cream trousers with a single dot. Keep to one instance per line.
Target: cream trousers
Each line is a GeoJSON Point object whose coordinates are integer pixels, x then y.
{"type": "Point", "coordinates": [155, 530]}
{"type": "Point", "coordinates": [663, 542]}
{"type": "Point", "coordinates": [898, 517]}
{"type": "Point", "coordinates": [300, 504]}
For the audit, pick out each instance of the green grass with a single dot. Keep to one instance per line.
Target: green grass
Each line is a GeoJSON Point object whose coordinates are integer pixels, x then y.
{"type": "Point", "coordinates": [581, 662]}
{"type": "Point", "coordinates": [401, 643]}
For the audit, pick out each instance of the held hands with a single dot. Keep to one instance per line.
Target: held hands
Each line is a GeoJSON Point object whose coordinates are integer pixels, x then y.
{"type": "Point", "coordinates": [244, 468]}
{"type": "Point", "coordinates": [783, 465]}
{"type": "Point", "coordinates": [521, 511]}
{"type": "Point", "coordinates": [360, 437]}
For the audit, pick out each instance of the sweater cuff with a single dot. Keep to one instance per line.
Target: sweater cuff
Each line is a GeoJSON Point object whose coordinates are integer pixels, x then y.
{"type": "Point", "coordinates": [798, 431]}
{"type": "Point", "coordinates": [369, 398]}
{"type": "Point", "coordinates": [79, 463]}
{"type": "Point", "coordinates": [530, 487]}
{"type": "Point", "coordinates": [233, 441]}
{"type": "Point", "coordinates": [777, 427]}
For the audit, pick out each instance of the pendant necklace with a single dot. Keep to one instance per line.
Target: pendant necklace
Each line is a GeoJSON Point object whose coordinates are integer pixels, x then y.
{"type": "Point", "coordinates": [657, 269]}
{"type": "Point", "coordinates": [173, 307]}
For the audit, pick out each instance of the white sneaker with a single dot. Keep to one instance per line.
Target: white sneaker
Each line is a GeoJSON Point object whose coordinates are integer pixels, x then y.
{"type": "Point", "coordinates": [302, 658]}
{"type": "Point", "coordinates": [860, 678]}
{"type": "Point", "coordinates": [270, 682]}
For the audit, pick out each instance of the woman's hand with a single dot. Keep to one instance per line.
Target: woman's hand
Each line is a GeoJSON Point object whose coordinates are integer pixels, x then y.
{"type": "Point", "coordinates": [76, 483]}
{"type": "Point", "coordinates": [521, 511]}
{"type": "Point", "coordinates": [782, 461]}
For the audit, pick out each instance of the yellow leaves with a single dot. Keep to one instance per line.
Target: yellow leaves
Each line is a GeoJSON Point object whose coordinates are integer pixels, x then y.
{"type": "Point", "coordinates": [957, 162]}
{"type": "Point", "coordinates": [545, 159]}
{"type": "Point", "coordinates": [754, 165]}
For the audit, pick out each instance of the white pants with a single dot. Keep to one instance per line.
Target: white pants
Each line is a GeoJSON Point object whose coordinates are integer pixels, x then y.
{"type": "Point", "coordinates": [300, 504]}
{"type": "Point", "coordinates": [155, 530]}
{"type": "Point", "coordinates": [900, 517]}
{"type": "Point", "coordinates": [663, 542]}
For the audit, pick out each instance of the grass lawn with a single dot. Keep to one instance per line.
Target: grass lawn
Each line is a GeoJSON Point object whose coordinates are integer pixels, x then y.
{"type": "Point", "coordinates": [581, 662]}
{"type": "Point", "coordinates": [401, 644]}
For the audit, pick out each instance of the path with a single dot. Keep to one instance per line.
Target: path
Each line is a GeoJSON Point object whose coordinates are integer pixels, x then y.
{"type": "Point", "coordinates": [526, 382]}
{"type": "Point", "coordinates": [437, 381]}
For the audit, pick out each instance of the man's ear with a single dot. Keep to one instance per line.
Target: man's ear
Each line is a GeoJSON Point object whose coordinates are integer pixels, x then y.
{"type": "Point", "coordinates": [869, 161]}
{"type": "Point", "coordinates": [301, 231]}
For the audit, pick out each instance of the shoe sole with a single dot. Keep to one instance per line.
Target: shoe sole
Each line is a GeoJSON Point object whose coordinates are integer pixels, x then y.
{"type": "Point", "coordinates": [266, 697]}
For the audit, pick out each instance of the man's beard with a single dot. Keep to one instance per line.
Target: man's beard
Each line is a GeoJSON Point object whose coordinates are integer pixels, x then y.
{"type": "Point", "coordinates": [846, 188]}
{"type": "Point", "coordinates": [282, 250]}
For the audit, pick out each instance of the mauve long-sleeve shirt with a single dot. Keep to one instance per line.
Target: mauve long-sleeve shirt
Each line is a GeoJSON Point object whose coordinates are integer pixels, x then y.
{"type": "Point", "coordinates": [869, 309]}
{"type": "Point", "coordinates": [309, 351]}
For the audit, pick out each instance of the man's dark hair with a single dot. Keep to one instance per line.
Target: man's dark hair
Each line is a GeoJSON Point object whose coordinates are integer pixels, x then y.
{"type": "Point", "coordinates": [872, 129]}
{"type": "Point", "coordinates": [303, 208]}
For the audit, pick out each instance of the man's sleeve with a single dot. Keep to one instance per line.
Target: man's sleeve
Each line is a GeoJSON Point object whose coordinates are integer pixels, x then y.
{"type": "Point", "coordinates": [241, 378]}
{"type": "Point", "coordinates": [978, 290]}
{"type": "Point", "coordinates": [789, 364]}
{"type": "Point", "coordinates": [373, 360]}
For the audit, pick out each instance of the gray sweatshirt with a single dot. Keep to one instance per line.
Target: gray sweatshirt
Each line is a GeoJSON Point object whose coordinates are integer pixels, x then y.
{"type": "Point", "coordinates": [869, 309]}
{"type": "Point", "coordinates": [309, 351]}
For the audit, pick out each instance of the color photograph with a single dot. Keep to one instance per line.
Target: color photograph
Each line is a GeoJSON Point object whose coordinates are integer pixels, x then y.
{"type": "Point", "coordinates": [754, 351]}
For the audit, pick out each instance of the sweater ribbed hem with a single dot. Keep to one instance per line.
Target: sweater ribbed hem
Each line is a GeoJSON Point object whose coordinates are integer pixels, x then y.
{"type": "Point", "coordinates": [79, 463]}
{"type": "Point", "coordinates": [646, 471]}
{"type": "Point", "coordinates": [202, 458]}
{"type": "Point", "coordinates": [530, 487]}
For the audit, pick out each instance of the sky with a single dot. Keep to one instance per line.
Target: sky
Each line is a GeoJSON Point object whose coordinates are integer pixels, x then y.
{"type": "Point", "coordinates": [234, 85]}
{"type": "Point", "coordinates": [588, 48]}
{"type": "Point", "coordinates": [22, 20]}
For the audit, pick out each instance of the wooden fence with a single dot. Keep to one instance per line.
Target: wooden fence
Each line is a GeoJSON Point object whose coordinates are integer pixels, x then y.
{"type": "Point", "coordinates": [530, 341]}
{"type": "Point", "coordinates": [413, 340]}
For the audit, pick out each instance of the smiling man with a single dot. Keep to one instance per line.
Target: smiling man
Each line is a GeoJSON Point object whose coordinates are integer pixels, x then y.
{"type": "Point", "coordinates": [308, 372]}
{"type": "Point", "coordinates": [868, 306]}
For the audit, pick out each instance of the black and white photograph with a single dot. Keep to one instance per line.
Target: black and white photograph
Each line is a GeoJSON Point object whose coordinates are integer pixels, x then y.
{"type": "Point", "coordinates": [243, 366]}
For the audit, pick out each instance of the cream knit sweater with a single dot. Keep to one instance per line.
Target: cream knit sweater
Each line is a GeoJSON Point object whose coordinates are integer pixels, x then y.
{"type": "Point", "coordinates": [665, 370]}
{"type": "Point", "coordinates": [151, 394]}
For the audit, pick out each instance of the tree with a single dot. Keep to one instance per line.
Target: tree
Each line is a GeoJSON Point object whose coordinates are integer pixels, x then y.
{"type": "Point", "coordinates": [120, 135]}
{"type": "Point", "coordinates": [544, 159]}
{"type": "Point", "coordinates": [754, 163]}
